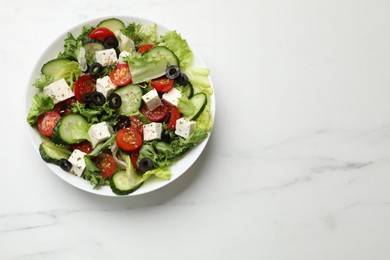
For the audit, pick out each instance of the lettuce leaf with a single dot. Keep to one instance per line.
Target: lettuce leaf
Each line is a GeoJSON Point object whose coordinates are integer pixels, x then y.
{"type": "Point", "coordinates": [40, 104]}
{"type": "Point", "coordinates": [173, 41]}
{"type": "Point", "coordinates": [42, 82]}
{"type": "Point", "coordinates": [72, 45]}
{"type": "Point", "coordinates": [141, 34]}
{"type": "Point", "coordinates": [92, 173]}
{"type": "Point", "coordinates": [71, 71]}
{"type": "Point", "coordinates": [145, 67]}
{"type": "Point", "coordinates": [163, 154]}
{"type": "Point", "coordinates": [199, 77]}
{"type": "Point", "coordinates": [185, 106]}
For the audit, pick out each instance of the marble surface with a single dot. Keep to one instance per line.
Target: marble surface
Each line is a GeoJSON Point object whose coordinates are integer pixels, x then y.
{"type": "Point", "coordinates": [298, 163]}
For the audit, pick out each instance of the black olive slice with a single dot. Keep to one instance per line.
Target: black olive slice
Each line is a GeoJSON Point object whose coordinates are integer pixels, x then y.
{"type": "Point", "coordinates": [110, 42]}
{"type": "Point", "coordinates": [172, 72]}
{"type": "Point", "coordinates": [182, 80]}
{"type": "Point", "coordinates": [98, 98]}
{"type": "Point", "coordinates": [122, 122]}
{"type": "Point", "coordinates": [65, 165]}
{"type": "Point", "coordinates": [145, 164]}
{"type": "Point", "coordinates": [165, 136]}
{"type": "Point", "coordinates": [114, 101]}
{"type": "Point", "coordinates": [87, 98]}
{"type": "Point", "coordinates": [95, 69]}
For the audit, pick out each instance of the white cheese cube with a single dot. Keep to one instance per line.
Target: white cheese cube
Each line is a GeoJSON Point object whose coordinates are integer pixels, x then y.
{"type": "Point", "coordinates": [152, 100]}
{"type": "Point", "coordinates": [58, 91]}
{"type": "Point", "coordinates": [106, 57]}
{"type": "Point", "coordinates": [105, 86]}
{"type": "Point", "coordinates": [184, 127]}
{"type": "Point", "coordinates": [172, 96]}
{"type": "Point", "coordinates": [152, 131]}
{"type": "Point", "coordinates": [78, 162]}
{"type": "Point", "coordinates": [122, 56]}
{"type": "Point", "coordinates": [82, 60]}
{"type": "Point", "coordinates": [99, 132]}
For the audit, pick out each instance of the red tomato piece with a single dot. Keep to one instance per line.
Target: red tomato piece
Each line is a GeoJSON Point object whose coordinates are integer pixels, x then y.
{"type": "Point", "coordinates": [134, 158]}
{"type": "Point", "coordinates": [101, 33]}
{"type": "Point", "coordinates": [156, 114]}
{"type": "Point", "coordinates": [65, 106]}
{"type": "Point", "coordinates": [47, 122]}
{"type": "Point", "coordinates": [85, 147]}
{"type": "Point", "coordinates": [162, 84]}
{"type": "Point", "coordinates": [120, 75]}
{"type": "Point", "coordinates": [128, 139]}
{"type": "Point", "coordinates": [84, 84]}
{"type": "Point", "coordinates": [173, 116]}
{"type": "Point", "coordinates": [136, 124]}
{"type": "Point", "coordinates": [106, 164]}
{"type": "Point", "coordinates": [145, 47]}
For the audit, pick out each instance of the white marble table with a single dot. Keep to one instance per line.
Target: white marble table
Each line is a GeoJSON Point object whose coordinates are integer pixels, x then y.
{"type": "Point", "coordinates": [297, 167]}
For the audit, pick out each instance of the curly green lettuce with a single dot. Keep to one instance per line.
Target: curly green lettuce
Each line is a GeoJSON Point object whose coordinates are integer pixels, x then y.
{"type": "Point", "coordinates": [41, 103]}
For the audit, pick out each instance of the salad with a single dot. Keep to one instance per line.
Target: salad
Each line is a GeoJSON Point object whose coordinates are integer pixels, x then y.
{"type": "Point", "coordinates": [120, 104]}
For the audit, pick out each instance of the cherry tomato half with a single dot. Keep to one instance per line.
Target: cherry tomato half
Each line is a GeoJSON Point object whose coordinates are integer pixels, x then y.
{"type": "Point", "coordinates": [162, 84]}
{"type": "Point", "coordinates": [84, 84]}
{"type": "Point", "coordinates": [47, 122]}
{"type": "Point", "coordinates": [174, 114]}
{"type": "Point", "coordinates": [101, 33]}
{"type": "Point", "coordinates": [136, 124]}
{"type": "Point", "coordinates": [120, 75]}
{"type": "Point", "coordinates": [64, 107]}
{"type": "Point", "coordinates": [134, 158]}
{"type": "Point", "coordinates": [106, 164]}
{"type": "Point", "coordinates": [85, 147]}
{"type": "Point", "coordinates": [156, 114]}
{"type": "Point", "coordinates": [145, 47]}
{"type": "Point", "coordinates": [128, 139]}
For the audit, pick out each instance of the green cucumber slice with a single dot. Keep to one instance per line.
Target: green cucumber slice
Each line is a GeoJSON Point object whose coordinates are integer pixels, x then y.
{"type": "Point", "coordinates": [90, 49]}
{"type": "Point", "coordinates": [122, 184]}
{"type": "Point", "coordinates": [131, 96]}
{"type": "Point", "coordinates": [53, 154]}
{"type": "Point", "coordinates": [71, 129]}
{"type": "Point", "coordinates": [199, 100]}
{"type": "Point", "coordinates": [113, 24]}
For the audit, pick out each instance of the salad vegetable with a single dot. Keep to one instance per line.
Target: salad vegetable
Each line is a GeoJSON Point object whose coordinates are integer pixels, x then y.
{"type": "Point", "coordinates": [121, 104]}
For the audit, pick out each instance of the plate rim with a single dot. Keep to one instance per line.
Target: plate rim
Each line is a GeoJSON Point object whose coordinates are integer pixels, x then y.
{"type": "Point", "coordinates": [78, 182]}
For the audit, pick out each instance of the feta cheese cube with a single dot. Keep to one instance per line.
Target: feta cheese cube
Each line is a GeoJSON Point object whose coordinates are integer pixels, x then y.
{"type": "Point", "coordinates": [184, 127]}
{"type": "Point", "coordinates": [105, 85]}
{"type": "Point", "coordinates": [99, 132]}
{"type": "Point", "coordinates": [122, 56]}
{"type": "Point", "coordinates": [77, 161]}
{"type": "Point", "coordinates": [106, 57]}
{"type": "Point", "coordinates": [152, 100]}
{"type": "Point", "coordinates": [152, 131]}
{"type": "Point", "coordinates": [172, 96]}
{"type": "Point", "coordinates": [58, 91]}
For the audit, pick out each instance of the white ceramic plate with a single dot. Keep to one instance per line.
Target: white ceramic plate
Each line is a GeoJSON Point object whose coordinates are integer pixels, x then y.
{"type": "Point", "coordinates": [153, 183]}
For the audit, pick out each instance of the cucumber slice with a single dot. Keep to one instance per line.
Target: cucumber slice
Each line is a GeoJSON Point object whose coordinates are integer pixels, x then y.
{"type": "Point", "coordinates": [90, 49]}
{"type": "Point", "coordinates": [162, 52]}
{"type": "Point", "coordinates": [131, 96]}
{"type": "Point", "coordinates": [53, 154]}
{"type": "Point", "coordinates": [57, 68]}
{"type": "Point", "coordinates": [71, 129]}
{"type": "Point", "coordinates": [187, 90]}
{"type": "Point", "coordinates": [122, 184]}
{"type": "Point", "coordinates": [112, 24]}
{"type": "Point", "coordinates": [152, 64]}
{"type": "Point", "coordinates": [199, 100]}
